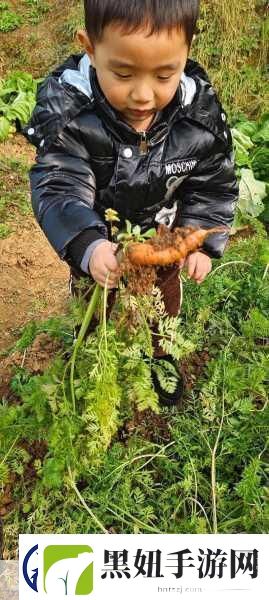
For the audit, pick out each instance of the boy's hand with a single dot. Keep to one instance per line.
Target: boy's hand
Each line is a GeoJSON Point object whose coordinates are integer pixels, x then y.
{"type": "Point", "coordinates": [198, 265]}
{"type": "Point", "coordinates": [102, 262]}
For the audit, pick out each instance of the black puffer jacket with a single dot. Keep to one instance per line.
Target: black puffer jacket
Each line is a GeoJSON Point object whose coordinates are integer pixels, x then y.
{"type": "Point", "coordinates": [180, 172]}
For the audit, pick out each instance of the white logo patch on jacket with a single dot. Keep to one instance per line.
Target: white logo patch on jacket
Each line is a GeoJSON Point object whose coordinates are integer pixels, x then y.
{"type": "Point", "coordinates": [166, 215]}
{"type": "Point", "coordinates": [182, 166]}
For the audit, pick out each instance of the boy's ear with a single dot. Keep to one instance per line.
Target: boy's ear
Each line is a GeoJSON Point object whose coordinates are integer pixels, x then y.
{"type": "Point", "coordinates": [85, 41]}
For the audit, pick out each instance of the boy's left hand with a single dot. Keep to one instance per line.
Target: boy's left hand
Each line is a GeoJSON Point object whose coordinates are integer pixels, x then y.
{"type": "Point", "coordinates": [198, 266]}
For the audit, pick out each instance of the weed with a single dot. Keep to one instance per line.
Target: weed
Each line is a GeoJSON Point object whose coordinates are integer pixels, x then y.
{"type": "Point", "coordinates": [36, 11]}
{"type": "Point", "coordinates": [8, 19]}
{"type": "Point", "coordinates": [5, 230]}
{"type": "Point", "coordinates": [13, 200]}
{"type": "Point", "coordinates": [74, 22]}
{"type": "Point", "coordinates": [231, 45]}
{"type": "Point", "coordinates": [38, 305]}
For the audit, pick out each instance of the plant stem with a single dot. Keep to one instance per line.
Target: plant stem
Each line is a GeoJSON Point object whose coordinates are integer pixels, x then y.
{"type": "Point", "coordinates": [214, 451]}
{"type": "Point", "coordinates": [85, 324]}
{"type": "Point", "coordinates": [11, 448]}
{"type": "Point", "coordinates": [265, 272]}
{"type": "Point", "coordinates": [104, 310]}
{"type": "Point", "coordinates": [202, 509]}
{"type": "Point", "coordinates": [232, 262]}
{"type": "Point", "coordinates": [110, 509]}
{"type": "Point", "coordinates": [160, 453]}
{"type": "Point", "coordinates": [130, 516]}
{"type": "Point", "coordinates": [103, 529]}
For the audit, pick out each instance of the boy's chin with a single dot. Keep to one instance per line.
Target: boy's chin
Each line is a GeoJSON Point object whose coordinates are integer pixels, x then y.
{"type": "Point", "coordinates": [139, 123]}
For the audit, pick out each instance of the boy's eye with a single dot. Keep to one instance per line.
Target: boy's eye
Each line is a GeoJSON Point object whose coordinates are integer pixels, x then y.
{"type": "Point", "coordinates": [160, 77]}
{"type": "Point", "coordinates": [121, 76]}
{"type": "Point", "coordinates": [163, 78]}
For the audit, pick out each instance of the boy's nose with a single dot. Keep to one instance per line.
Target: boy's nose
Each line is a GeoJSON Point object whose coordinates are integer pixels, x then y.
{"type": "Point", "coordinates": [142, 95]}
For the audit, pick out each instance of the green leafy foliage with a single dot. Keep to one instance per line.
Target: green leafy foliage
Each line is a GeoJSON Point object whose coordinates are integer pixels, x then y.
{"type": "Point", "coordinates": [251, 194]}
{"type": "Point", "coordinates": [166, 374]}
{"type": "Point", "coordinates": [5, 230]}
{"type": "Point", "coordinates": [262, 133]}
{"type": "Point", "coordinates": [243, 144]}
{"type": "Point", "coordinates": [147, 484]}
{"type": "Point", "coordinates": [80, 439]}
{"type": "Point", "coordinates": [17, 101]}
{"type": "Point", "coordinates": [9, 20]}
{"type": "Point", "coordinates": [252, 159]}
{"type": "Point", "coordinates": [135, 233]}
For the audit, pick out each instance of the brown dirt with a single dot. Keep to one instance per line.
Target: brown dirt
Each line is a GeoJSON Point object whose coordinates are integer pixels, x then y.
{"type": "Point", "coordinates": [6, 500]}
{"type": "Point", "coordinates": [149, 425]}
{"type": "Point", "coordinates": [33, 280]}
{"type": "Point", "coordinates": [193, 367]}
{"type": "Point", "coordinates": [35, 360]}
{"type": "Point", "coordinates": [37, 451]}
{"type": "Point", "coordinates": [241, 233]}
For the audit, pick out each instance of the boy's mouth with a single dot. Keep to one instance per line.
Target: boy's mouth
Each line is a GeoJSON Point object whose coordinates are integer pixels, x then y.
{"type": "Point", "coordinates": [141, 113]}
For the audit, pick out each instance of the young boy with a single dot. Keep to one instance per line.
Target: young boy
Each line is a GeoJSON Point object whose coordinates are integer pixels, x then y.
{"type": "Point", "coordinates": [133, 125]}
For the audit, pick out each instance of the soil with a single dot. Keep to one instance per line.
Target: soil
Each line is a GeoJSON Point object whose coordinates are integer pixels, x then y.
{"type": "Point", "coordinates": [149, 425]}
{"type": "Point", "coordinates": [33, 280]}
{"type": "Point", "coordinates": [37, 451]}
{"type": "Point", "coordinates": [193, 367]}
{"type": "Point", "coordinates": [35, 360]}
{"type": "Point", "coordinates": [241, 233]}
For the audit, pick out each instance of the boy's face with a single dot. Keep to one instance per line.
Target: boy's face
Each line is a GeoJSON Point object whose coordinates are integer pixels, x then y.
{"type": "Point", "coordinates": [138, 75]}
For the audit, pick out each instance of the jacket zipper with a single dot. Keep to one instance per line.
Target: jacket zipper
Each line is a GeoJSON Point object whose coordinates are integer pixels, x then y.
{"type": "Point", "coordinates": [143, 147]}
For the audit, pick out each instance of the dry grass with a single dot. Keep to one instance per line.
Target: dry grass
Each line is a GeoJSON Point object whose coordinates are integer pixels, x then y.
{"type": "Point", "coordinates": [232, 46]}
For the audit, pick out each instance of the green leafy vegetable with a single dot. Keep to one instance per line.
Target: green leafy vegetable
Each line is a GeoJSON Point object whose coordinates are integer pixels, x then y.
{"type": "Point", "coordinates": [248, 128]}
{"type": "Point", "coordinates": [5, 128]}
{"type": "Point", "coordinates": [17, 101]}
{"type": "Point", "coordinates": [260, 163]}
{"type": "Point", "coordinates": [251, 194]}
{"type": "Point", "coordinates": [242, 144]}
{"type": "Point", "coordinates": [252, 151]}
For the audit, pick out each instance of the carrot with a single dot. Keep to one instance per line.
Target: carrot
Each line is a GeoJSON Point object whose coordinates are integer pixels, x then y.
{"type": "Point", "coordinates": [146, 254]}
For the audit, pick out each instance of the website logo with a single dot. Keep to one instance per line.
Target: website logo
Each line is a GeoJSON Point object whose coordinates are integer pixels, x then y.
{"type": "Point", "coordinates": [30, 570]}
{"type": "Point", "coordinates": [68, 571]}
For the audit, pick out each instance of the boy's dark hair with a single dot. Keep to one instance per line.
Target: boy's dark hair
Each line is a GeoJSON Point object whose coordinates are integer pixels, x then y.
{"type": "Point", "coordinates": [132, 15]}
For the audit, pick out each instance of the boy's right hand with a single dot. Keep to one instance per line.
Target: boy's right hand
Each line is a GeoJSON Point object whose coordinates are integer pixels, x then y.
{"type": "Point", "coordinates": [104, 261]}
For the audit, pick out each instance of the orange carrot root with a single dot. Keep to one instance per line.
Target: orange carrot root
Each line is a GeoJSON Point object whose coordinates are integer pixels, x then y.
{"type": "Point", "coordinates": [148, 254]}
{"type": "Point", "coordinates": [145, 254]}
